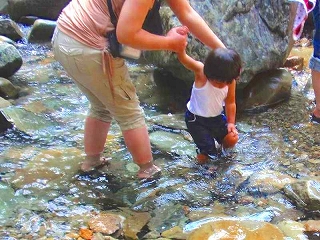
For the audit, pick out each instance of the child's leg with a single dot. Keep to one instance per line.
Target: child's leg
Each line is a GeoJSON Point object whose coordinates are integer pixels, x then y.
{"type": "Point", "coordinates": [201, 137]}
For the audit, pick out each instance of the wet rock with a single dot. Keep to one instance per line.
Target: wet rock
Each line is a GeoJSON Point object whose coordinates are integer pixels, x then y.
{"type": "Point", "coordinates": [28, 20]}
{"type": "Point", "coordinates": [49, 168]}
{"type": "Point", "coordinates": [306, 194]}
{"type": "Point", "coordinates": [10, 29]}
{"type": "Point", "coordinates": [174, 233]}
{"type": "Point", "coordinates": [26, 121]}
{"type": "Point", "coordinates": [10, 61]}
{"type": "Point", "coordinates": [172, 143]}
{"type": "Point", "coordinates": [234, 229]}
{"type": "Point", "coordinates": [164, 216]}
{"type": "Point", "coordinates": [292, 229]}
{"type": "Point", "coordinates": [85, 233]}
{"type": "Point", "coordinates": [265, 90]}
{"type": "Point", "coordinates": [169, 121]}
{"type": "Point", "coordinates": [4, 103]}
{"type": "Point", "coordinates": [7, 40]}
{"type": "Point", "coordinates": [41, 8]}
{"type": "Point", "coordinates": [269, 181]}
{"type": "Point", "coordinates": [164, 92]}
{"type": "Point", "coordinates": [5, 122]}
{"type": "Point", "coordinates": [312, 225]}
{"type": "Point", "coordinates": [4, 7]}
{"type": "Point", "coordinates": [294, 62]}
{"type": "Point", "coordinates": [7, 203]}
{"type": "Point", "coordinates": [215, 209]}
{"type": "Point", "coordinates": [134, 223]}
{"type": "Point", "coordinates": [41, 31]}
{"type": "Point", "coordinates": [106, 223]}
{"type": "Point", "coordinates": [7, 89]}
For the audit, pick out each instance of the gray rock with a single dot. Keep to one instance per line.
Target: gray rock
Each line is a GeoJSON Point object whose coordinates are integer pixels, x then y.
{"type": "Point", "coordinates": [46, 9]}
{"type": "Point", "coordinates": [10, 29]}
{"type": "Point", "coordinates": [5, 123]}
{"type": "Point", "coordinates": [265, 90]}
{"type": "Point", "coordinates": [41, 31]}
{"type": "Point", "coordinates": [305, 193]}
{"type": "Point", "coordinates": [4, 7]}
{"type": "Point", "coordinates": [10, 61]}
{"type": "Point", "coordinates": [259, 30]}
{"type": "Point", "coordinates": [7, 89]}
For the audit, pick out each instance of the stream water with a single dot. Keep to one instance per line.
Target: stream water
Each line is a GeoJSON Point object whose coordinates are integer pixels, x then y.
{"type": "Point", "coordinates": [43, 196]}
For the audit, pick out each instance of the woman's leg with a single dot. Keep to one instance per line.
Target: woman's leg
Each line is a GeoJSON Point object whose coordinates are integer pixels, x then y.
{"type": "Point", "coordinates": [95, 135]}
{"type": "Point", "coordinates": [138, 143]}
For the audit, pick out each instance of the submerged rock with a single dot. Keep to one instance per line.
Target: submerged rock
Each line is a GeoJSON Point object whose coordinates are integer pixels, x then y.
{"type": "Point", "coordinates": [306, 194]}
{"type": "Point", "coordinates": [234, 229]}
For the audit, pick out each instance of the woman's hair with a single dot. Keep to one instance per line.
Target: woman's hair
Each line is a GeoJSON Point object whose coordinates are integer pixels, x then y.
{"type": "Point", "coordinates": [222, 64]}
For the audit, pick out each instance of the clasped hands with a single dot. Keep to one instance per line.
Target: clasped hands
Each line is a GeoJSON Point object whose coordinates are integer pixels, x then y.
{"type": "Point", "coordinates": [178, 38]}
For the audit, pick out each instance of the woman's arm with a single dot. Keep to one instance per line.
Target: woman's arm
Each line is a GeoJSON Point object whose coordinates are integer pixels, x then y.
{"type": "Point", "coordinates": [130, 32]}
{"type": "Point", "coordinates": [197, 26]}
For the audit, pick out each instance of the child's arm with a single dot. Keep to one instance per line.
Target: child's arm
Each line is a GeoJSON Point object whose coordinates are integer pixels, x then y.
{"type": "Point", "coordinates": [189, 62]}
{"type": "Point", "coordinates": [230, 107]}
{"type": "Point", "coordinates": [195, 66]}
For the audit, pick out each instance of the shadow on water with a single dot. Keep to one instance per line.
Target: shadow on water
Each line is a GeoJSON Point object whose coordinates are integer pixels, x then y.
{"type": "Point", "coordinates": [41, 182]}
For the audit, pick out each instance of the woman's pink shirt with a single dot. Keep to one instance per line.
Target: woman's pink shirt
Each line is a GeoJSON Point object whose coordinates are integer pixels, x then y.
{"type": "Point", "coordinates": [88, 21]}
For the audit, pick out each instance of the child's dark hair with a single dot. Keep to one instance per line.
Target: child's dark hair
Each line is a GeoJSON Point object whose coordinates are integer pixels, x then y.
{"type": "Point", "coordinates": [222, 64]}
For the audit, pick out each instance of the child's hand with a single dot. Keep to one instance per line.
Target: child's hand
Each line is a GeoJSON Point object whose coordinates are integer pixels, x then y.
{"type": "Point", "coordinates": [232, 128]}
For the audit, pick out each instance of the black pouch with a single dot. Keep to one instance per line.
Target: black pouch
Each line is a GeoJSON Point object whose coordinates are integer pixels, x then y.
{"type": "Point", "coordinates": [153, 23]}
{"type": "Point", "coordinates": [114, 45]}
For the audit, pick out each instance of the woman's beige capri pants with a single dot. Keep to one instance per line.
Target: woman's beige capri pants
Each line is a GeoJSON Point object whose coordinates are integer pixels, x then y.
{"type": "Point", "coordinates": [84, 65]}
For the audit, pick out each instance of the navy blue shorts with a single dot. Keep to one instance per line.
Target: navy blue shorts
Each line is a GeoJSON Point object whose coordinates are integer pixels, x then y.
{"type": "Point", "coordinates": [314, 63]}
{"type": "Point", "coordinates": [204, 130]}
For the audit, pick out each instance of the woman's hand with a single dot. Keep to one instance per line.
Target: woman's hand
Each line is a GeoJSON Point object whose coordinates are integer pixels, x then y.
{"type": "Point", "coordinates": [177, 37]}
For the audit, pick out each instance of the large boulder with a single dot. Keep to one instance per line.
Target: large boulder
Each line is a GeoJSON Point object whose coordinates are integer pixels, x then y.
{"type": "Point", "coordinates": [261, 31]}
{"type": "Point", "coordinates": [47, 9]}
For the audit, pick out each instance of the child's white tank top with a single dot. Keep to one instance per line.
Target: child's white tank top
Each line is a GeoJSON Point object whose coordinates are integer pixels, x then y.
{"type": "Point", "coordinates": [207, 101]}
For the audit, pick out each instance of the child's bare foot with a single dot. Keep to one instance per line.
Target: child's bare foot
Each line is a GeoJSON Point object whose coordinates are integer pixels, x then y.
{"type": "Point", "coordinates": [91, 163]}
{"type": "Point", "coordinates": [202, 158]}
{"type": "Point", "coordinates": [148, 171]}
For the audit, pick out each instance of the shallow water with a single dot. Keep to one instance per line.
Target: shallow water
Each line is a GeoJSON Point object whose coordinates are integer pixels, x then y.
{"type": "Point", "coordinates": [42, 194]}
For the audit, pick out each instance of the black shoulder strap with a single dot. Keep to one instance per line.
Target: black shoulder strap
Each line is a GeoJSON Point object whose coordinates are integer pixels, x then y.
{"type": "Point", "coordinates": [112, 15]}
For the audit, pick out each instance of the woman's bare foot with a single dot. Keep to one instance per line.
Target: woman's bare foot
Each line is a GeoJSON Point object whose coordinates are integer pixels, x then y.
{"type": "Point", "coordinates": [148, 171]}
{"type": "Point", "coordinates": [93, 162]}
{"type": "Point", "coordinates": [315, 117]}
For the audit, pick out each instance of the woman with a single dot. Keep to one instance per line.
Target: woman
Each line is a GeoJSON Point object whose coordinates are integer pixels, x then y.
{"type": "Point", "coordinates": [80, 45]}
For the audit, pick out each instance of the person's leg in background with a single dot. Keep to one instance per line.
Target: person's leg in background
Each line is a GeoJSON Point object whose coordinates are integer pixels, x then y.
{"type": "Point", "coordinates": [315, 63]}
